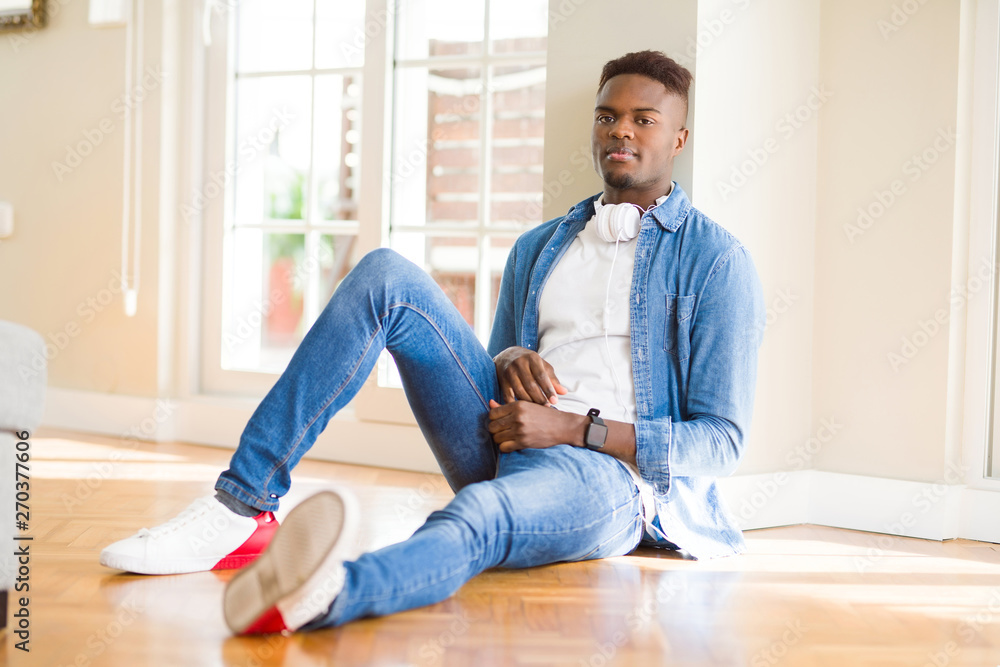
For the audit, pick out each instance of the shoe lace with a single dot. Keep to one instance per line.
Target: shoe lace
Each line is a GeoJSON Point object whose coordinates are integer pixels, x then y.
{"type": "Point", "coordinates": [194, 511]}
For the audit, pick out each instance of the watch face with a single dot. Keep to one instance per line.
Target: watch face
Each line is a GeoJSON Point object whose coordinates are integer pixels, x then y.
{"type": "Point", "coordinates": [596, 435]}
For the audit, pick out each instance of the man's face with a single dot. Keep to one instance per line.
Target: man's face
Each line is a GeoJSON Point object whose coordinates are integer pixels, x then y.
{"type": "Point", "coordinates": [638, 129]}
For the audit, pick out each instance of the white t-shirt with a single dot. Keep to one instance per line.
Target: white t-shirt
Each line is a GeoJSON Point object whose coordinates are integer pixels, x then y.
{"type": "Point", "coordinates": [576, 305]}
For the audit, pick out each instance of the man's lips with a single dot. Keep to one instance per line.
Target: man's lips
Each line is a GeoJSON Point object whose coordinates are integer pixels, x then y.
{"type": "Point", "coordinates": [620, 154]}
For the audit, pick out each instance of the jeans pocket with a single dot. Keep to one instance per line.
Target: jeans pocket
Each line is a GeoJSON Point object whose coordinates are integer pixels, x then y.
{"type": "Point", "coordinates": [677, 327]}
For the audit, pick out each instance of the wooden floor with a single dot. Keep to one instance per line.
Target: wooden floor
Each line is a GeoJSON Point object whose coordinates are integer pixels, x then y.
{"type": "Point", "coordinates": [804, 595]}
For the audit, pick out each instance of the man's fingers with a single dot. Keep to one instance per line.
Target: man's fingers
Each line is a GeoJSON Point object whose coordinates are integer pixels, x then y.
{"type": "Point", "coordinates": [517, 389]}
{"type": "Point", "coordinates": [503, 436]}
{"type": "Point", "coordinates": [557, 387]}
{"type": "Point", "coordinates": [506, 391]}
{"type": "Point", "coordinates": [498, 426]}
{"type": "Point", "coordinates": [535, 391]}
{"type": "Point", "coordinates": [522, 375]}
{"type": "Point", "coordinates": [508, 446]}
{"type": "Point", "coordinates": [541, 370]}
{"type": "Point", "coordinates": [526, 389]}
{"type": "Point", "coordinates": [498, 412]}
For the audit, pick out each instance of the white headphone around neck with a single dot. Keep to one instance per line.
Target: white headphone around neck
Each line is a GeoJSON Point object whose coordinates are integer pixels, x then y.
{"type": "Point", "coordinates": [617, 222]}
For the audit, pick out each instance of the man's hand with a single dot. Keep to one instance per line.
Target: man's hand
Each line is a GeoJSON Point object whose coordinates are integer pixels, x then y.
{"type": "Point", "coordinates": [523, 425]}
{"type": "Point", "coordinates": [524, 376]}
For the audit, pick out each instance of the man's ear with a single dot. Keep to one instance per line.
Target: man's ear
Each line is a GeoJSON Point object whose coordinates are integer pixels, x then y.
{"type": "Point", "coordinates": [680, 140]}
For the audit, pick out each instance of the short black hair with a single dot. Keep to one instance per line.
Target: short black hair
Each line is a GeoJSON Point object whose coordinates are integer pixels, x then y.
{"type": "Point", "coordinates": [654, 64]}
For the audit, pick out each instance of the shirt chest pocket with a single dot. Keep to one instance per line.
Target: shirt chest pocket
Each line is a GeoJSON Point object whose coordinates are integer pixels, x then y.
{"type": "Point", "coordinates": [677, 333]}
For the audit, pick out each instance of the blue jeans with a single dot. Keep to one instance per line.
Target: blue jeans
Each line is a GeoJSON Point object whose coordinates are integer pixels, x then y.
{"type": "Point", "coordinates": [520, 509]}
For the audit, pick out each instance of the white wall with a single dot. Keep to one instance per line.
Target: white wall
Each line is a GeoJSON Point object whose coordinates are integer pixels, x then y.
{"type": "Point", "coordinates": [64, 94]}
{"type": "Point", "coordinates": [896, 95]}
{"type": "Point", "coordinates": [755, 174]}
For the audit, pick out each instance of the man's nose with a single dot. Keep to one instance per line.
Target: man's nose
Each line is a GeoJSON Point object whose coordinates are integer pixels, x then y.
{"type": "Point", "coordinates": [621, 129]}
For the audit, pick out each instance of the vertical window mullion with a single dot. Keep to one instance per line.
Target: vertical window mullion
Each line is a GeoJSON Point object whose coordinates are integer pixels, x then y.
{"type": "Point", "coordinates": [309, 272]}
{"type": "Point", "coordinates": [481, 311]}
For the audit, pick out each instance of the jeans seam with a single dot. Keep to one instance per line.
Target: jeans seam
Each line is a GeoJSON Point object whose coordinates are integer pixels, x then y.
{"type": "Point", "coordinates": [444, 339]}
{"type": "Point", "coordinates": [291, 450]}
{"type": "Point", "coordinates": [331, 399]}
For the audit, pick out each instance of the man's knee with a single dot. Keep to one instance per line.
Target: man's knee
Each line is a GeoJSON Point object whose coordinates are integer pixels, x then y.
{"type": "Point", "coordinates": [381, 261]}
{"type": "Point", "coordinates": [384, 267]}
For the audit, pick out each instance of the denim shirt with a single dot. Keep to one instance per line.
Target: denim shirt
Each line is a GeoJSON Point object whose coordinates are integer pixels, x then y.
{"type": "Point", "coordinates": [696, 314]}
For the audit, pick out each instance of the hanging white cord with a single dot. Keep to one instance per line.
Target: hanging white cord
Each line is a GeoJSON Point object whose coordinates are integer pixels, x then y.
{"type": "Point", "coordinates": [206, 22]}
{"type": "Point", "coordinates": [132, 298]}
{"type": "Point", "coordinates": [132, 180]}
{"type": "Point", "coordinates": [210, 7]}
{"type": "Point", "coordinates": [607, 345]}
{"type": "Point", "coordinates": [127, 166]}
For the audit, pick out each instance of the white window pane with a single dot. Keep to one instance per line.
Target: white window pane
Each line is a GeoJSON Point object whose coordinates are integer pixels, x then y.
{"type": "Point", "coordinates": [518, 25]}
{"type": "Point", "coordinates": [265, 317]}
{"type": "Point", "coordinates": [274, 36]}
{"type": "Point", "coordinates": [337, 255]}
{"type": "Point", "coordinates": [437, 147]}
{"type": "Point", "coordinates": [439, 27]}
{"type": "Point", "coordinates": [337, 148]}
{"type": "Point", "coordinates": [342, 32]}
{"type": "Point", "coordinates": [273, 275]}
{"type": "Point", "coordinates": [272, 148]}
{"type": "Point", "coordinates": [452, 261]}
{"type": "Point", "coordinates": [518, 95]}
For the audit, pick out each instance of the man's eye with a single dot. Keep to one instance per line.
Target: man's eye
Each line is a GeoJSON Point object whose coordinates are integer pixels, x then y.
{"type": "Point", "coordinates": [604, 119]}
{"type": "Point", "coordinates": [646, 121]}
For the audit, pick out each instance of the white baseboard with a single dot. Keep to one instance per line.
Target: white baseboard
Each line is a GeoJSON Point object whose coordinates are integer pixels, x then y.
{"type": "Point", "coordinates": [219, 422]}
{"type": "Point", "coordinates": [109, 414]}
{"type": "Point", "coordinates": [874, 504]}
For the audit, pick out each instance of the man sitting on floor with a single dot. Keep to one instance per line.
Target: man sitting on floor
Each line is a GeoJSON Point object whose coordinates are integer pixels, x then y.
{"type": "Point", "coordinates": [617, 385]}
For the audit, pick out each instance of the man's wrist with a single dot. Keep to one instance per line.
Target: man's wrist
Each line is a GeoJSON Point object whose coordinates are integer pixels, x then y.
{"type": "Point", "coordinates": [578, 429]}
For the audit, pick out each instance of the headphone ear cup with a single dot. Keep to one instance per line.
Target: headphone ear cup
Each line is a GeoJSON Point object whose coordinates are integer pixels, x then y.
{"type": "Point", "coordinates": [618, 222]}
{"type": "Point", "coordinates": [604, 223]}
{"type": "Point", "coordinates": [630, 223]}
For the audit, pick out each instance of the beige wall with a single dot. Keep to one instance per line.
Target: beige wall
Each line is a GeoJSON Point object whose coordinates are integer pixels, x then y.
{"type": "Point", "coordinates": [583, 35]}
{"type": "Point", "coordinates": [61, 84]}
{"type": "Point", "coordinates": [755, 173]}
{"type": "Point", "coordinates": [894, 93]}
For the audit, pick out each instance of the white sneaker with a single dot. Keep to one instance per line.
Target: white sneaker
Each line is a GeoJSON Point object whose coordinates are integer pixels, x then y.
{"type": "Point", "coordinates": [301, 572]}
{"type": "Point", "coordinates": [205, 536]}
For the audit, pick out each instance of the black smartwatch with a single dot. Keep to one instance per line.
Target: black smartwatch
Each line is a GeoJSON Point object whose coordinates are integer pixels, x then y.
{"type": "Point", "coordinates": [597, 431]}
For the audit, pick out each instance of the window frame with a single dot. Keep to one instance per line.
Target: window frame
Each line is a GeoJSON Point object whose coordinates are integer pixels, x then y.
{"type": "Point", "coordinates": [375, 402]}
{"type": "Point", "coordinates": [980, 438]}
{"type": "Point", "coordinates": [219, 116]}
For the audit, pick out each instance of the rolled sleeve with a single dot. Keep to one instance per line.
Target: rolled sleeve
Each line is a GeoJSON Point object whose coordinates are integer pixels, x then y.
{"type": "Point", "coordinates": [652, 452]}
